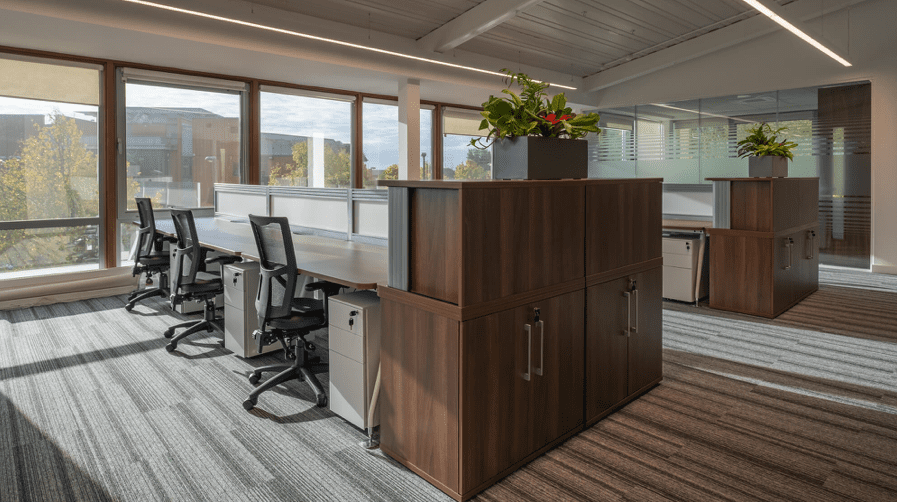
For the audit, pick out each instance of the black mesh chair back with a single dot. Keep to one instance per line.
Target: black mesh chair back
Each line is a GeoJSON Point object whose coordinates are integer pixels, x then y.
{"type": "Point", "coordinates": [147, 243]}
{"type": "Point", "coordinates": [277, 263]}
{"type": "Point", "coordinates": [188, 257]}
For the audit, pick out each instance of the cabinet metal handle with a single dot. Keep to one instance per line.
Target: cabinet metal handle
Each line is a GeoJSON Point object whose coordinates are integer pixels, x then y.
{"type": "Point", "coordinates": [529, 351]}
{"type": "Point", "coordinates": [541, 325]}
{"type": "Point", "coordinates": [789, 244]}
{"type": "Point", "coordinates": [628, 312]}
{"type": "Point", "coordinates": [635, 329]}
{"type": "Point", "coordinates": [812, 235]}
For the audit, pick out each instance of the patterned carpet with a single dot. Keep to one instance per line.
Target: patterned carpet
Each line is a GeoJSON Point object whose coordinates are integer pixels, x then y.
{"type": "Point", "coordinates": [803, 407]}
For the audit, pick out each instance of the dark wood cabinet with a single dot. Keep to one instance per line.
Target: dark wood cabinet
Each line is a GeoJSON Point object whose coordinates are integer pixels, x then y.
{"type": "Point", "coordinates": [499, 277]}
{"type": "Point", "coordinates": [521, 384]}
{"type": "Point", "coordinates": [764, 253]}
{"type": "Point", "coordinates": [624, 347]}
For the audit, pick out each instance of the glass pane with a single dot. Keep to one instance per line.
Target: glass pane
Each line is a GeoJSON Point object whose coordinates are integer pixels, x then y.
{"type": "Point", "coordinates": [40, 251]}
{"type": "Point", "coordinates": [48, 160]}
{"type": "Point", "coordinates": [612, 153]}
{"type": "Point", "coordinates": [305, 141]}
{"type": "Point", "coordinates": [461, 161]}
{"type": "Point", "coordinates": [127, 241]}
{"type": "Point", "coordinates": [381, 143]}
{"type": "Point", "coordinates": [180, 142]}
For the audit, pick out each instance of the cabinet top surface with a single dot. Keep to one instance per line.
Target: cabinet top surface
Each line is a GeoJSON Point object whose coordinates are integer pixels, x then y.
{"type": "Point", "coordinates": [458, 184]}
{"type": "Point", "coordinates": [758, 179]}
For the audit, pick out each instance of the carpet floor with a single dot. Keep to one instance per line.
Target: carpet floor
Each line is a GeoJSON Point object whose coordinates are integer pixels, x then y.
{"type": "Point", "coordinates": [803, 407]}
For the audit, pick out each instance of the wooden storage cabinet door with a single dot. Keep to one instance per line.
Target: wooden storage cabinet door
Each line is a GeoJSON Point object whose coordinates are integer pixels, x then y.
{"type": "Point", "coordinates": [557, 350]}
{"type": "Point", "coordinates": [623, 222]}
{"type": "Point", "coordinates": [607, 347]}
{"type": "Point", "coordinates": [646, 343]}
{"type": "Point", "coordinates": [504, 414]}
{"type": "Point", "coordinates": [495, 397]}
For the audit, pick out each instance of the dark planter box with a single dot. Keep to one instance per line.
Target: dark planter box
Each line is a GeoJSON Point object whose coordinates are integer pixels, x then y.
{"type": "Point", "coordinates": [538, 158]}
{"type": "Point", "coordinates": [767, 167]}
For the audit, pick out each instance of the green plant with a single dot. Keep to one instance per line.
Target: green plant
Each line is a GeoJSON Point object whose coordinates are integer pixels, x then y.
{"type": "Point", "coordinates": [531, 113]}
{"type": "Point", "coordinates": [763, 140]}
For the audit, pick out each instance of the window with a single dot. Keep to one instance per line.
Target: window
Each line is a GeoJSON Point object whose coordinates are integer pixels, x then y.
{"type": "Point", "coordinates": [306, 138]}
{"type": "Point", "coordinates": [381, 141]}
{"type": "Point", "coordinates": [183, 135]}
{"type": "Point", "coordinates": [460, 159]}
{"type": "Point", "coordinates": [49, 167]}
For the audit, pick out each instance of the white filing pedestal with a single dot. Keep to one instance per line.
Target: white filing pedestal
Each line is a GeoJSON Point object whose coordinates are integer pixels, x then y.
{"type": "Point", "coordinates": [680, 268]}
{"type": "Point", "coordinates": [354, 355]}
{"type": "Point", "coordinates": [241, 284]}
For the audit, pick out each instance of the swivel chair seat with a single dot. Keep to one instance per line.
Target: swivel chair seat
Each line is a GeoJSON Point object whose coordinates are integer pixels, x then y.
{"type": "Point", "coordinates": [191, 283]}
{"type": "Point", "coordinates": [151, 258]}
{"type": "Point", "coordinates": [281, 317]}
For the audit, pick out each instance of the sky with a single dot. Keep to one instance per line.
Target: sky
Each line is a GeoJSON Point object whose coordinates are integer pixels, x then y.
{"type": "Point", "coordinates": [280, 114]}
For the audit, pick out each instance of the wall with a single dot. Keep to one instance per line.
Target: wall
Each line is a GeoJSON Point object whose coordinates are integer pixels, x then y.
{"type": "Point", "coordinates": [782, 61]}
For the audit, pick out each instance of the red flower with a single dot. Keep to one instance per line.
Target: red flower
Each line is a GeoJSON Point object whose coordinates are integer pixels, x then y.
{"type": "Point", "coordinates": [554, 119]}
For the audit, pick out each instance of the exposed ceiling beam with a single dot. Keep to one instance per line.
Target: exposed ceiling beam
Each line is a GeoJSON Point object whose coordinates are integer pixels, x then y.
{"type": "Point", "coordinates": [480, 19]}
{"type": "Point", "coordinates": [749, 29]}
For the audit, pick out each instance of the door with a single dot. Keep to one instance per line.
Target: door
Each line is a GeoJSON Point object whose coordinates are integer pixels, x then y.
{"type": "Point", "coordinates": [608, 317]}
{"type": "Point", "coordinates": [495, 395]}
{"type": "Point", "coordinates": [557, 377]}
{"type": "Point", "coordinates": [646, 334]}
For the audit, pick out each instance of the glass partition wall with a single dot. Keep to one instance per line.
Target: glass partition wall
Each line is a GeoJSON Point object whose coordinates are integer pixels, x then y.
{"type": "Point", "coordinates": [686, 142]}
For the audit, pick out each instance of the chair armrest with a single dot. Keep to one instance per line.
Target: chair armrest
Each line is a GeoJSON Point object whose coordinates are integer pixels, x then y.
{"type": "Point", "coordinates": [329, 288]}
{"type": "Point", "coordinates": [223, 259]}
{"type": "Point", "coordinates": [167, 238]}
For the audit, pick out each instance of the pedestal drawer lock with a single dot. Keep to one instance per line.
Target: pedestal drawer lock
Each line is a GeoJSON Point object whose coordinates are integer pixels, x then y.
{"type": "Point", "coordinates": [352, 318]}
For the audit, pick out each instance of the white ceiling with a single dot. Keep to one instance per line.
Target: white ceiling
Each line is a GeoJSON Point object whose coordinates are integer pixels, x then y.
{"type": "Point", "coordinates": [587, 44]}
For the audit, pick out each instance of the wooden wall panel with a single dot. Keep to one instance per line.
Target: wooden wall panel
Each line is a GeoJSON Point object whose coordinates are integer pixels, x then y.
{"type": "Point", "coordinates": [435, 243]}
{"type": "Point", "coordinates": [518, 239]}
{"type": "Point", "coordinates": [740, 273]}
{"type": "Point", "coordinates": [624, 225]}
{"type": "Point", "coordinates": [753, 211]}
{"type": "Point", "coordinates": [419, 408]}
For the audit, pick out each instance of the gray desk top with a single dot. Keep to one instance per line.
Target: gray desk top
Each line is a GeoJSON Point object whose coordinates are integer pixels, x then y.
{"type": "Point", "coordinates": [351, 264]}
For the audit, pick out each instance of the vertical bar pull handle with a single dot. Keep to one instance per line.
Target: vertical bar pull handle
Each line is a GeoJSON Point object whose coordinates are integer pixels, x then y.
{"type": "Point", "coordinates": [628, 312]}
{"type": "Point", "coordinates": [635, 293]}
{"type": "Point", "coordinates": [529, 351]}
{"type": "Point", "coordinates": [812, 238]}
{"type": "Point", "coordinates": [541, 325]}
{"type": "Point", "coordinates": [789, 243]}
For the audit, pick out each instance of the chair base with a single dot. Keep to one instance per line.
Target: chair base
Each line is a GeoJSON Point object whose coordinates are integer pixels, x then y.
{"type": "Point", "coordinates": [207, 323]}
{"type": "Point", "coordinates": [299, 370]}
{"type": "Point", "coordinates": [142, 294]}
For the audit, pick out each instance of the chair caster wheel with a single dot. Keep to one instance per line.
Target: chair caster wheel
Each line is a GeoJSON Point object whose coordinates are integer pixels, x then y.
{"type": "Point", "coordinates": [248, 404]}
{"type": "Point", "coordinates": [170, 347]}
{"type": "Point", "coordinates": [129, 307]}
{"type": "Point", "coordinates": [254, 378]}
{"type": "Point", "coordinates": [322, 401]}
{"type": "Point", "coordinates": [168, 333]}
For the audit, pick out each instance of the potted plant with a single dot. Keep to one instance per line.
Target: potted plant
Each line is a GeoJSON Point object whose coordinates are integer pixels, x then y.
{"type": "Point", "coordinates": [767, 156]}
{"type": "Point", "coordinates": [533, 136]}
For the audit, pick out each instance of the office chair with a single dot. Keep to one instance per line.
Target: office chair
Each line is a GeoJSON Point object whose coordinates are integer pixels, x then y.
{"type": "Point", "coordinates": [150, 257]}
{"type": "Point", "coordinates": [281, 317]}
{"type": "Point", "coordinates": [191, 283]}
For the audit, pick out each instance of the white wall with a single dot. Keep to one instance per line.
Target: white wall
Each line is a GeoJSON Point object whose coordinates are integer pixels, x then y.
{"type": "Point", "coordinates": [782, 61]}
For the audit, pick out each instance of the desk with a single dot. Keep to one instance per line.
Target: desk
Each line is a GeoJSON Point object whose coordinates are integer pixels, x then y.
{"type": "Point", "coordinates": [350, 264]}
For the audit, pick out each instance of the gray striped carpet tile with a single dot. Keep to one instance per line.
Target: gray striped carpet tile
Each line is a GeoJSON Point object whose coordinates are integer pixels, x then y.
{"type": "Point", "coordinates": [798, 408]}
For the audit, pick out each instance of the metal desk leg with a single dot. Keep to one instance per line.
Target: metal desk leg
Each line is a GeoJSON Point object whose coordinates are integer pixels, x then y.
{"type": "Point", "coordinates": [372, 442]}
{"type": "Point", "coordinates": [700, 266]}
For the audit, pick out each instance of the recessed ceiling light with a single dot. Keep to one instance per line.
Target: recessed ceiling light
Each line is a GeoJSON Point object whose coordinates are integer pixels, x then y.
{"type": "Point", "coordinates": [790, 27]}
{"type": "Point", "coordinates": [323, 39]}
{"type": "Point", "coordinates": [742, 96]}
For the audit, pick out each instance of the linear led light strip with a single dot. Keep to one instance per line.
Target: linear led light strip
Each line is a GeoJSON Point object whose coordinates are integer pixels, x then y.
{"type": "Point", "coordinates": [790, 27]}
{"type": "Point", "coordinates": [322, 39]}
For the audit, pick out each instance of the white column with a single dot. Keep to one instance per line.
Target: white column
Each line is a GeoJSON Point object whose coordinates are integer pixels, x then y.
{"type": "Point", "coordinates": [316, 159]}
{"type": "Point", "coordinates": [409, 129]}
